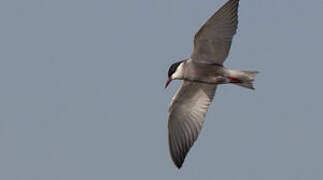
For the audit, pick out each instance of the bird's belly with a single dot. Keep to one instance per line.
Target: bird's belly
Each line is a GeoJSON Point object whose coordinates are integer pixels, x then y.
{"type": "Point", "coordinates": [215, 79]}
{"type": "Point", "coordinates": [211, 74]}
{"type": "Point", "coordinates": [209, 79]}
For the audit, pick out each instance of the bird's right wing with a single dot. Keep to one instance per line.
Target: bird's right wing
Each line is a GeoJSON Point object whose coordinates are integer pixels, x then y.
{"type": "Point", "coordinates": [186, 116]}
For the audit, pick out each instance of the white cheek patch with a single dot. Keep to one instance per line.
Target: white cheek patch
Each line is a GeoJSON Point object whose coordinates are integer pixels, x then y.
{"type": "Point", "coordinates": [179, 73]}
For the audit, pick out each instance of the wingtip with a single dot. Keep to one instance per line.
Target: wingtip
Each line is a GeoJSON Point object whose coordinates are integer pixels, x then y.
{"type": "Point", "coordinates": [178, 162]}
{"type": "Point", "coordinates": [178, 165]}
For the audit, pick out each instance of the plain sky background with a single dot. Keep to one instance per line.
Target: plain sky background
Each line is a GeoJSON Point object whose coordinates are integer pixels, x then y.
{"type": "Point", "coordinates": [82, 97]}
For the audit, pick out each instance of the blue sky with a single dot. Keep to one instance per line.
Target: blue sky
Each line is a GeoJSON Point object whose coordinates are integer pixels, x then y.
{"type": "Point", "coordinates": [82, 97]}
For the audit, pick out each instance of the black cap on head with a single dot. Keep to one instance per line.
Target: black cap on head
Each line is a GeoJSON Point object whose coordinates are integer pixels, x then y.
{"type": "Point", "coordinates": [173, 68]}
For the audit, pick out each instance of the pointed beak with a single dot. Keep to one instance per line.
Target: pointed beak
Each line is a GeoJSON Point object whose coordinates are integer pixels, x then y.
{"type": "Point", "coordinates": [168, 81]}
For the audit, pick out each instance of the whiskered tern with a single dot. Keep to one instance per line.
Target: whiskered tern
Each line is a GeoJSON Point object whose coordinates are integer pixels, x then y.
{"type": "Point", "coordinates": [201, 74]}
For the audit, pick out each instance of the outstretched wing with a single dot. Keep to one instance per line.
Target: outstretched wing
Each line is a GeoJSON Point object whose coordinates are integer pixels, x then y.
{"type": "Point", "coordinates": [186, 116]}
{"type": "Point", "coordinates": [213, 41]}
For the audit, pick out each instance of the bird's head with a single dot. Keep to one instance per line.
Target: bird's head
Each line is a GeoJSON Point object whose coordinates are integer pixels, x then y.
{"type": "Point", "coordinates": [175, 71]}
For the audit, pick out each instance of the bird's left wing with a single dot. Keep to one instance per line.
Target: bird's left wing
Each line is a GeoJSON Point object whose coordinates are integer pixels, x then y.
{"type": "Point", "coordinates": [186, 116]}
{"type": "Point", "coordinates": [213, 41]}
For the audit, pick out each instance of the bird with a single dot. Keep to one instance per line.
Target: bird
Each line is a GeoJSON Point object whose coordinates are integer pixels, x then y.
{"type": "Point", "coordinates": [201, 74]}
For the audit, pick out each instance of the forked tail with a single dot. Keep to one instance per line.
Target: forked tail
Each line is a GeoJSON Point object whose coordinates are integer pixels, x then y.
{"type": "Point", "coordinates": [243, 78]}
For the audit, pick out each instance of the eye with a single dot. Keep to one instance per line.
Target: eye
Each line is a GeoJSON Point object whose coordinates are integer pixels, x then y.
{"type": "Point", "coordinates": [171, 70]}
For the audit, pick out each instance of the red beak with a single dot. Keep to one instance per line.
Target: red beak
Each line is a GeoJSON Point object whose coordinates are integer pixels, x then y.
{"type": "Point", "coordinates": [168, 81]}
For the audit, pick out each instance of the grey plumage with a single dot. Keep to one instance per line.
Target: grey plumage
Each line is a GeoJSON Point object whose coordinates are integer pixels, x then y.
{"type": "Point", "coordinates": [201, 74]}
{"type": "Point", "coordinates": [186, 117]}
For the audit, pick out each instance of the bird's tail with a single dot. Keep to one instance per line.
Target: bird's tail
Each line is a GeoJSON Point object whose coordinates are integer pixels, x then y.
{"type": "Point", "coordinates": [243, 78]}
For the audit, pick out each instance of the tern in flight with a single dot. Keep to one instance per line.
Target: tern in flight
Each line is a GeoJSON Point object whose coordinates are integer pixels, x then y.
{"type": "Point", "coordinates": [201, 74]}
